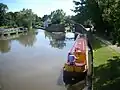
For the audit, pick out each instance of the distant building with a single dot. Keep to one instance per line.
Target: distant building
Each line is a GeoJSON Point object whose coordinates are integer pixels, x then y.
{"type": "Point", "coordinates": [47, 22]}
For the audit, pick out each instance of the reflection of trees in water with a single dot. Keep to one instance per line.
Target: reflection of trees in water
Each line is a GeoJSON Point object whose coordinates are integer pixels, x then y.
{"type": "Point", "coordinates": [28, 40]}
{"type": "Point", "coordinates": [57, 44]}
{"type": "Point", "coordinates": [57, 40]}
{"type": "Point", "coordinates": [5, 46]}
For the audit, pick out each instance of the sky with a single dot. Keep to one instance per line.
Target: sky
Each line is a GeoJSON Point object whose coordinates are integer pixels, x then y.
{"type": "Point", "coordinates": [40, 7]}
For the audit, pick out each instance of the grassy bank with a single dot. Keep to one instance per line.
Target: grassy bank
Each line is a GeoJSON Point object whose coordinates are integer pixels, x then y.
{"type": "Point", "coordinates": [106, 67]}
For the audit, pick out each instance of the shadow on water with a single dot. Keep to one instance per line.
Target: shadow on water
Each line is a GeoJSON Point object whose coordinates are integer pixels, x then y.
{"type": "Point", "coordinates": [77, 86]}
{"type": "Point", "coordinates": [107, 76]}
{"type": "Point", "coordinates": [60, 79]}
{"type": "Point", "coordinates": [57, 39]}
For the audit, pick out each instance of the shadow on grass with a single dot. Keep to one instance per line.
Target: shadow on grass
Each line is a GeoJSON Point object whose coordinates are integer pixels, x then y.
{"type": "Point", "coordinates": [107, 76]}
{"type": "Point", "coordinates": [96, 44]}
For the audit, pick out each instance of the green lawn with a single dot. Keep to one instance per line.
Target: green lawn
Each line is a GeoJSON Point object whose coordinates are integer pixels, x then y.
{"type": "Point", "coordinates": [103, 54]}
{"type": "Point", "coordinates": [106, 67]}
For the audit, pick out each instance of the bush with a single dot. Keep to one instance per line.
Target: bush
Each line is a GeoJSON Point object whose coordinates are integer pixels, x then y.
{"type": "Point", "coordinates": [113, 42]}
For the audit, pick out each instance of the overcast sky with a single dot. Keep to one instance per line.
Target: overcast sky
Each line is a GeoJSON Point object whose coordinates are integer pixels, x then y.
{"type": "Point", "coordinates": [40, 7]}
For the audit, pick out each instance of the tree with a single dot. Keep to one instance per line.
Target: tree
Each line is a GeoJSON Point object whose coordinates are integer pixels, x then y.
{"type": "Point", "coordinates": [103, 13]}
{"type": "Point", "coordinates": [57, 17]}
{"type": "Point", "coordinates": [45, 17]}
{"type": "Point", "coordinates": [25, 18]}
{"type": "Point", "coordinates": [82, 12]}
{"type": "Point", "coordinates": [110, 13]}
{"type": "Point", "coordinates": [10, 18]}
{"type": "Point", "coordinates": [3, 9]}
{"type": "Point", "coordinates": [89, 10]}
{"type": "Point", "coordinates": [37, 21]}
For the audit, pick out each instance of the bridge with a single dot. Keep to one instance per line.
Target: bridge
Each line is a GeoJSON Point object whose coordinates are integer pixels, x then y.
{"type": "Point", "coordinates": [11, 33]}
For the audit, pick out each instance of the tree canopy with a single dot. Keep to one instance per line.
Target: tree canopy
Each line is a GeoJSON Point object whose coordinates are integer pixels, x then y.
{"type": "Point", "coordinates": [57, 17]}
{"type": "Point", "coordinates": [3, 9]}
{"type": "Point", "coordinates": [24, 18]}
{"type": "Point", "coordinates": [104, 14]}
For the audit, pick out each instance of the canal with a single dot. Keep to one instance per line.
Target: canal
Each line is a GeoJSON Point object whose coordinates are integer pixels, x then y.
{"type": "Point", "coordinates": [33, 61]}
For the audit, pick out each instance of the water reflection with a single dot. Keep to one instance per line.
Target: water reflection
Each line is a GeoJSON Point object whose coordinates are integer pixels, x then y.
{"type": "Point", "coordinates": [28, 39]}
{"type": "Point", "coordinates": [5, 46]}
{"type": "Point", "coordinates": [37, 67]}
{"type": "Point", "coordinates": [57, 39]}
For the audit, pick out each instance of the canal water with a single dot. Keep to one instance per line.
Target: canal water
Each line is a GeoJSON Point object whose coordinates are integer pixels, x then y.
{"type": "Point", "coordinates": [33, 61]}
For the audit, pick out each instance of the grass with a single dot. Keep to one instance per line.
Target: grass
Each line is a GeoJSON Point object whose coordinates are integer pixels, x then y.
{"type": "Point", "coordinates": [102, 54]}
{"type": "Point", "coordinates": [106, 67]}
